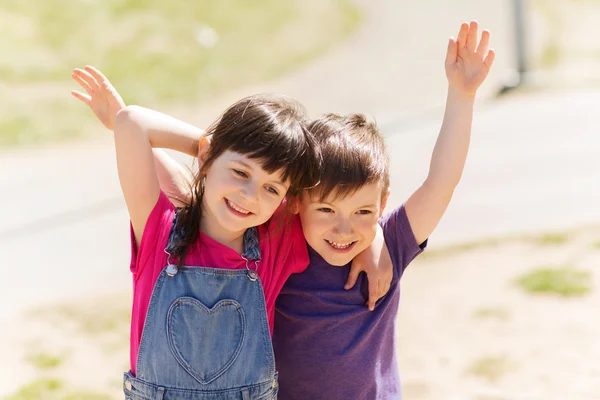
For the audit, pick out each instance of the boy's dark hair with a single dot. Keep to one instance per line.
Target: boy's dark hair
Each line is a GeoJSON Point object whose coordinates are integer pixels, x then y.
{"type": "Point", "coordinates": [353, 153]}
{"type": "Point", "coordinates": [268, 128]}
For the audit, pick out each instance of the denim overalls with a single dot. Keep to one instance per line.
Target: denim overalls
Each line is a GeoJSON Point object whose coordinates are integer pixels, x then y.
{"type": "Point", "coordinates": [206, 334]}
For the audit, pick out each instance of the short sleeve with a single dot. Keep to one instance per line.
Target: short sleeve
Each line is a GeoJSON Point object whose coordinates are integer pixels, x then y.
{"type": "Point", "coordinates": [155, 236]}
{"type": "Point", "coordinates": [400, 240]}
{"type": "Point", "coordinates": [286, 244]}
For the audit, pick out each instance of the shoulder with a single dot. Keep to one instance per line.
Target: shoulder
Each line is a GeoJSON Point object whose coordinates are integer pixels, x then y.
{"type": "Point", "coordinates": [282, 238]}
{"type": "Point", "coordinates": [399, 238]}
{"type": "Point", "coordinates": [155, 235]}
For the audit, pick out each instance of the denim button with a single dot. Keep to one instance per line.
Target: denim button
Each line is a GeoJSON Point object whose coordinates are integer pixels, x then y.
{"type": "Point", "coordinates": [128, 385]}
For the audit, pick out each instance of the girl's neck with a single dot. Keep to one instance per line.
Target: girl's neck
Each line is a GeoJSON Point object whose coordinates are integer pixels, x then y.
{"type": "Point", "coordinates": [211, 228]}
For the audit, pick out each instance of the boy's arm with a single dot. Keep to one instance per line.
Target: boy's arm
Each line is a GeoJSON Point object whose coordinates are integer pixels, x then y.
{"type": "Point", "coordinates": [467, 66]}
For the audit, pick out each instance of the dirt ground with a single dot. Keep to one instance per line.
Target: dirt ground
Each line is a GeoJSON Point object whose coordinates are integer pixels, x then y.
{"type": "Point", "coordinates": [467, 329]}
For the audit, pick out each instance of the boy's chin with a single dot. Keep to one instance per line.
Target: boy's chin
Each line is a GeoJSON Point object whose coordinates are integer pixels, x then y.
{"type": "Point", "coordinates": [337, 260]}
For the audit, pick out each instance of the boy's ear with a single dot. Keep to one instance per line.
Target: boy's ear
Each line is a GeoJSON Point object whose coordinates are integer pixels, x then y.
{"type": "Point", "coordinates": [384, 200]}
{"type": "Point", "coordinates": [203, 149]}
{"type": "Point", "coordinates": [294, 204]}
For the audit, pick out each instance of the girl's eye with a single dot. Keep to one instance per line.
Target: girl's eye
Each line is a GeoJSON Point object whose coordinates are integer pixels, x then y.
{"type": "Point", "coordinates": [271, 189]}
{"type": "Point", "coordinates": [240, 173]}
{"type": "Point", "coordinates": [325, 210]}
{"type": "Point", "coordinates": [364, 212]}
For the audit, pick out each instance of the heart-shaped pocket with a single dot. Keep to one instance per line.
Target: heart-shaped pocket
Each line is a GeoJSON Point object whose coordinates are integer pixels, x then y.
{"type": "Point", "coordinates": [205, 341]}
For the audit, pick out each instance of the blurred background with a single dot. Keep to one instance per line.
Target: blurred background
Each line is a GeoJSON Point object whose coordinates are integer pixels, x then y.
{"type": "Point", "coordinates": [502, 304]}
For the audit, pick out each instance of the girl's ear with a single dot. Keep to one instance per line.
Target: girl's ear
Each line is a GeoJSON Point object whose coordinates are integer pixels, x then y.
{"type": "Point", "coordinates": [384, 200]}
{"type": "Point", "coordinates": [203, 149]}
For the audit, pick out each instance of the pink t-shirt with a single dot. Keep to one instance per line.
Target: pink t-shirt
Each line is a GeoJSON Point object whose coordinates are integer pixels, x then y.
{"type": "Point", "coordinates": [283, 252]}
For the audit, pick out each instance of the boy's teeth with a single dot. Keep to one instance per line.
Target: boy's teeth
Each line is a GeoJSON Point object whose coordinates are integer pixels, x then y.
{"type": "Point", "coordinates": [236, 208]}
{"type": "Point", "coordinates": [339, 245]}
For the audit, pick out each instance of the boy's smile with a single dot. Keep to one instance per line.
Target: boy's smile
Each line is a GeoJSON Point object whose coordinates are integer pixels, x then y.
{"type": "Point", "coordinates": [340, 228]}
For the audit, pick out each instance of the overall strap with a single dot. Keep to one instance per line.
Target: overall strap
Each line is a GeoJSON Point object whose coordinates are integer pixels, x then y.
{"type": "Point", "coordinates": [251, 248]}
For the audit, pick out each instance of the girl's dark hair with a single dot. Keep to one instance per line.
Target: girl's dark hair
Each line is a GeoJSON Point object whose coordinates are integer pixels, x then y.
{"type": "Point", "coordinates": [268, 128]}
{"type": "Point", "coordinates": [353, 153]}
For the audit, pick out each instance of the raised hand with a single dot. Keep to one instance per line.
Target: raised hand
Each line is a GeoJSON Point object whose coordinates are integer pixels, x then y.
{"type": "Point", "coordinates": [101, 97]}
{"type": "Point", "coordinates": [468, 63]}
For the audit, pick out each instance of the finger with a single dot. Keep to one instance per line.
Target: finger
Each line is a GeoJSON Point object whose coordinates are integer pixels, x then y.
{"type": "Point", "coordinates": [472, 36]}
{"type": "Point", "coordinates": [83, 84]}
{"type": "Point", "coordinates": [482, 49]}
{"type": "Point", "coordinates": [462, 35]}
{"type": "Point", "coordinates": [87, 77]}
{"type": "Point", "coordinates": [83, 97]}
{"type": "Point", "coordinates": [489, 59]}
{"type": "Point", "coordinates": [386, 289]}
{"type": "Point", "coordinates": [99, 76]}
{"type": "Point", "coordinates": [352, 277]}
{"type": "Point", "coordinates": [373, 294]}
{"type": "Point", "coordinates": [452, 52]}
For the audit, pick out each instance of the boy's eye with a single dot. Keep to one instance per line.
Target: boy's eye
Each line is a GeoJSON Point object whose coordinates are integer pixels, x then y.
{"type": "Point", "coordinates": [271, 189]}
{"type": "Point", "coordinates": [364, 212]}
{"type": "Point", "coordinates": [325, 210]}
{"type": "Point", "coordinates": [240, 173]}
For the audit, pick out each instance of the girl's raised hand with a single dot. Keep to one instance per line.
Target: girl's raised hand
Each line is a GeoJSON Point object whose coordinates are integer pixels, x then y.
{"type": "Point", "coordinates": [467, 62]}
{"type": "Point", "coordinates": [101, 97]}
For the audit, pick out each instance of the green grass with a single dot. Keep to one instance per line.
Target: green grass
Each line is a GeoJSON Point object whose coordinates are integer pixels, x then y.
{"type": "Point", "coordinates": [492, 368]}
{"type": "Point", "coordinates": [97, 319]}
{"type": "Point", "coordinates": [96, 316]}
{"type": "Point", "coordinates": [562, 280]}
{"type": "Point", "coordinates": [151, 51]}
{"type": "Point", "coordinates": [53, 389]}
{"type": "Point", "coordinates": [39, 389]}
{"type": "Point", "coordinates": [544, 239]}
{"type": "Point", "coordinates": [492, 313]}
{"type": "Point", "coordinates": [552, 239]}
{"type": "Point", "coordinates": [44, 361]}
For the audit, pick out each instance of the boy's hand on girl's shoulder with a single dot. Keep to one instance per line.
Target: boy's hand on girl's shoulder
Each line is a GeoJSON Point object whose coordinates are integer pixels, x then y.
{"type": "Point", "coordinates": [376, 262]}
{"type": "Point", "coordinates": [467, 61]}
{"type": "Point", "coordinates": [102, 98]}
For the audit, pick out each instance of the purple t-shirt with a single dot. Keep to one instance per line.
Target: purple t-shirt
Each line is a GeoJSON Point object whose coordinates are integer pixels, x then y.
{"type": "Point", "coordinates": [328, 345]}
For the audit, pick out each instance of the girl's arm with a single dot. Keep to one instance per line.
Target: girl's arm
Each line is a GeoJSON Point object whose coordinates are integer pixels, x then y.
{"type": "Point", "coordinates": [106, 102]}
{"type": "Point", "coordinates": [136, 132]}
{"type": "Point", "coordinates": [173, 178]}
{"type": "Point", "coordinates": [467, 66]}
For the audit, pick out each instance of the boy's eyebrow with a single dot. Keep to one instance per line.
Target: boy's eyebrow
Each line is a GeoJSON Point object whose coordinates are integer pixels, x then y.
{"type": "Point", "coordinates": [365, 206]}
{"type": "Point", "coordinates": [368, 206]}
{"type": "Point", "coordinates": [277, 181]}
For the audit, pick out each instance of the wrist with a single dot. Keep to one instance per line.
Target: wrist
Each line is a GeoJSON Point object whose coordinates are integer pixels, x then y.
{"type": "Point", "coordinates": [461, 95]}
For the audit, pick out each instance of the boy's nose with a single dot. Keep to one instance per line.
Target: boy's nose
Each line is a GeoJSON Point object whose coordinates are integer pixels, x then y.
{"type": "Point", "coordinates": [343, 228]}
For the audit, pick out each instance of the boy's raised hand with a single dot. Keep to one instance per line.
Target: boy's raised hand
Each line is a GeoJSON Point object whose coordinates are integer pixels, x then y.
{"type": "Point", "coordinates": [101, 97]}
{"type": "Point", "coordinates": [467, 62]}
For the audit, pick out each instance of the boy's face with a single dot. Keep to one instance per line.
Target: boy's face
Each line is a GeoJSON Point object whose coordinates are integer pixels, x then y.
{"type": "Point", "coordinates": [339, 229]}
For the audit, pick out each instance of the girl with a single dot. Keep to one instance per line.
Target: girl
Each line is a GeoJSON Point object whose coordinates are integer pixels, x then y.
{"type": "Point", "coordinates": [203, 333]}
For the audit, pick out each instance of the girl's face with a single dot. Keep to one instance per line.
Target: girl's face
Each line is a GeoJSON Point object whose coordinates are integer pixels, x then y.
{"type": "Point", "coordinates": [340, 228]}
{"type": "Point", "coordinates": [239, 193]}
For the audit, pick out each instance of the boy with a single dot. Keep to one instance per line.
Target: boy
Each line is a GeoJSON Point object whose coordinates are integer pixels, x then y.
{"type": "Point", "coordinates": [326, 345]}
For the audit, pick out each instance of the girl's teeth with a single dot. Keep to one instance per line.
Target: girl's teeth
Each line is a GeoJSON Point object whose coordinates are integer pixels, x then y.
{"type": "Point", "coordinates": [237, 208]}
